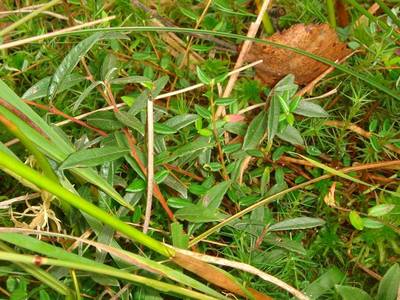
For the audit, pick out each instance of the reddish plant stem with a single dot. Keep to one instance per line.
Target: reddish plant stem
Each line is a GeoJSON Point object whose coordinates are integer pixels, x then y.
{"type": "Point", "coordinates": [156, 189]}
{"type": "Point", "coordinates": [183, 172]}
{"type": "Point", "coordinates": [58, 112]}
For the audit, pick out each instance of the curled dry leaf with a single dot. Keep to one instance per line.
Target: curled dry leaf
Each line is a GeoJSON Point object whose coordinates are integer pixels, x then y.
{"type": "Point", "coordinates": [319, 39]}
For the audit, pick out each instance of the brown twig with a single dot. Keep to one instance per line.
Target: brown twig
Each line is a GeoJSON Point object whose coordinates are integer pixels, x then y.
{"type": "Point", "coordinates": [359, 131]}
{"type": "Point", "coordinates": [245, 49]}
{"type": "Point", "coordinates": [156, 189]}
{"type": "Point", "coordinates": [150, 163]}
{"type": "Point", "coordinates": [55, 111]}
{"type": "Point", "coordinates": [183, 172]}
{"type": "Point", "coordinates": [53, 34]}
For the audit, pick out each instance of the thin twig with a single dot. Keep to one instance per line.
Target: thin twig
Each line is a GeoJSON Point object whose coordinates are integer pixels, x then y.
{"type": "Point", "coordinates": [183, 172]}
{"type": "Point", "coordinates": [58, 112]}
{"type": "Point", "coordinates": [359, 131]}
{"type": "Point", "coordinates": [54, 33]}
{"type": "Point", "coordinates": [28, 17]}
{"type": "Point", "coordinates": [150, 163]}
{"type": "Point", "coordinates": [29, 10]}
{"type": "Point", "coordinates": [245, 49]}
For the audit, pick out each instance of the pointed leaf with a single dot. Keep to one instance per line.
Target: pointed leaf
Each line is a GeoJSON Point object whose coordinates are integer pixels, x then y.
{"type": "Point", "coordinates": [351, 293]}
{"type": "Point", "coordinates": [297, 223]}
{"type": "Point", "coordinates": [291, 135]}
{"type": "Point", "coordinates": [198, 214]}
{"type": "Point", "coordinates": [389, 285]}
{"type": "Point", "coordinates": [93, 157]}
{"type": "Point", "coordinates": [255, 131]}
{"type": "Point", "coordinates": [380, 210]}
{"type": "Point", "coordinates": [130, 121]}
{"type": "Point", "coordinates": [310, 109]}
{"type": "Point", "coordinates": [212, 199]}
{"type": "Point", "coordinates": [40, 89]}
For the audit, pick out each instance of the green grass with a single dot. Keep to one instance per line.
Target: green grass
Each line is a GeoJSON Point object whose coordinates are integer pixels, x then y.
{"type": "Point", "coordinates": [283, 218]}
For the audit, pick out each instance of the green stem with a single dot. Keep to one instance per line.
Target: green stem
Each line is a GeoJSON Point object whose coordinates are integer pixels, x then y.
{"type": "Point", "coordinates": [389, 12]}
{"type": "Point", "coordinates": [330, 7]}
{"type": "Point", "coordinates": [267, 23]}
{"type": "Point", "coordinates": [78, 202]}
{"type": "Point", "coordinates": [28, 17]}
{"type": "Point", "coordinates": [161, 286]}
{"type": "Point", "coordinates": [39, 274]}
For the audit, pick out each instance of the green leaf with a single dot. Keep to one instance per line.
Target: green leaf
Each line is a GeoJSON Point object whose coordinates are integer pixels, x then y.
{"type": "Point", "coordinates": [291, 135]}
{"type": "Point", "coordinates": [131, 121]}
{"type": "Point", "coordinates": [70, 61]}
{"type": "Point", "coordinates": [389, 285]}
{"type": "Point", "coordinates": [297, 223]}
{"type": "Point", "coordinates": [198, 214]}
{"type": "Point", "coordinates": [160, 176]}
{"type": "Point", "coordinates": [130, 79]}
{"type": "Point", "coordinates": [199, 144]}
{"type": "Point", "coordinates": [273, 119]}
{"type": "Point", "coordinates": [202, 76]}
{"type": "Point", "coordinates": [212, 199]}
{"type": "Point", "coordinates": [351, 293]}
{"type": "Point", "coordinates": [380, 210]}
{"type": "Point", "coordinates": [159, 85]}
{"type": "Point", "coordinates": [310, 109]}
{"type": "Point", "coordinates": [41, 88]}
{"type": "Point", "coordinates": [225, 101]}
{"type": "Point", "coordinates": [285, 243]}
{"type": "Point", "coordinates": [181, 121]}
{"type": "Point", "coordinates": [109, 68]}
{"type": "Point", "coordinates": [356, 220]}
{"type": "Point", "coordinates": [176, 202]}
{"type": "Point", "coordinates": [105, 120]}
{"type": "Point", "coordinates": [255, 131]}
{"type": "Point", "coordinates": [163, 129]}
{"type": "Point", "coordinates": [373, 224]}
{"type": "Point", "coordinates": [202, 112]}
{"type": "Point", "coordinates": [324, 283]}
{"type": "Point", "coordinates": [84, 94]}
{"type": "Point", "coordinates": [205, 132]}
{"type": "Point", "coordinates": [93, 157]}
{"type": "Point", "coordinates": [179, 238]}
{"type": "Point", "coordinates": [189, 13]}
{"type": "Point", "coordinates": [138, 185]}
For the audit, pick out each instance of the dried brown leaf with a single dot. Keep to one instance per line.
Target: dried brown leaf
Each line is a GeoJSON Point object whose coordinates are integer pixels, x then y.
{"type": "Point", "coordinates": [319, 39]}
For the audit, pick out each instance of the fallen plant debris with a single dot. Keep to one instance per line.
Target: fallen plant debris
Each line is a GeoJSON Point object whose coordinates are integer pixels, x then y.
{"type": "Point", "coordinates": [319, 39]}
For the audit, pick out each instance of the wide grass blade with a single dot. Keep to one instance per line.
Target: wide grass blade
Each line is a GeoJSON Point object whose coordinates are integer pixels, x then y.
{"type": "Point", "coordinates": [104, 270]}
{"type": "Point", "coordinates": [52, 144]}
